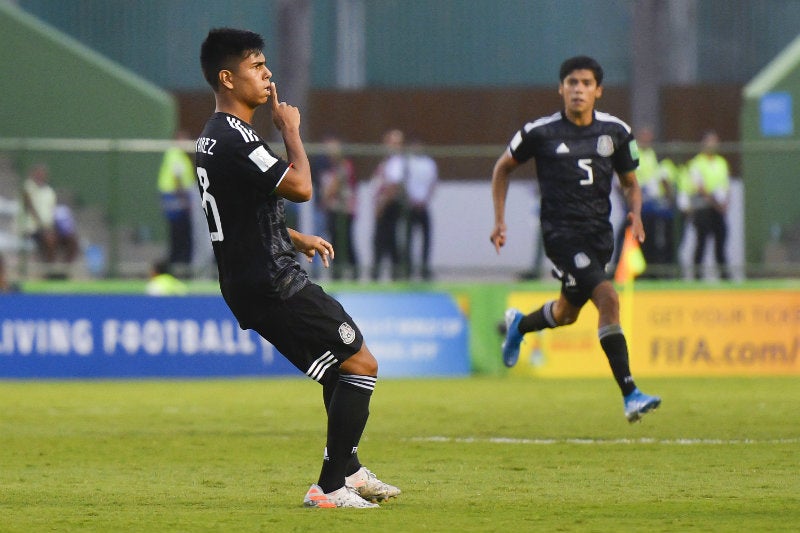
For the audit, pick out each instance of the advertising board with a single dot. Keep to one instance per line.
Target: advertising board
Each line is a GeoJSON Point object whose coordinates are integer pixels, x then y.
{"type": "Point", "coordinates": [80, 336]}
{"type": "Point", "coordinates": [675, 333]}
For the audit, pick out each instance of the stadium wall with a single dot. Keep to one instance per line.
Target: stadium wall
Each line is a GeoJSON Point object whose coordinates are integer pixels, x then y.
{"type": "Point", "coordinates": [461, 109]}
{"type": "Point", "coordinates": [55, 87]}
{"type": "Point", "coordinates": [480, 116]}
{"type": "Point", "coordinates": [419, 43]}
{"type": "Point", "coordinates": [770, 130]}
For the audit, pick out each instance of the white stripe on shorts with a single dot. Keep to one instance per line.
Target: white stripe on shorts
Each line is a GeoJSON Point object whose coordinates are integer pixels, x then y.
{"type": "Point", "coordinates": [317, 369]}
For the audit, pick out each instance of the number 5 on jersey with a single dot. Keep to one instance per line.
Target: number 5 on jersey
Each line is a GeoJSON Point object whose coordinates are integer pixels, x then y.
{"type": "Point", "coordinates": [586, 164]}
{"type": "Point", "coordinates": [210, 206]}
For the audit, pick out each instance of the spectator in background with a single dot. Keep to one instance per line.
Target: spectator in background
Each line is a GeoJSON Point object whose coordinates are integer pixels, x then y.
{"type": "Point", "coordinates": [710, 180]}
{"type": "Point", "coordinates": [339, 197]}
{"type": "Point", "coordinates": [658, 193]}
{"type": "Point", "coordinates": [683, 213]}
{"type": "Point", "coordinates": [676, 174]}
{"type": "Point", "coordinates": [66, 233]}
{"type": "Point", "coordinates": [163, 283]}
{"type": "Point", "coordinates": [6, 286]}
{"type": "Point", "coordinates": [388, 181]}
{"type": "Point", "coordinates": [176, 177]}
{"type": "Point", "coordinates": [420, 182]}
{"type": "Point", "coordinates": [39, 212]}
{"type": "Point", "coordinates": [320, 162]}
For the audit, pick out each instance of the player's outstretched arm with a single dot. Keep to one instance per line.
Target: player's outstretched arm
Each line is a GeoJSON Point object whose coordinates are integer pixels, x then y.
{"type": "Point", "coordinates": [311, 245]}
{"type": "Point", "coordinates": [502, 168]}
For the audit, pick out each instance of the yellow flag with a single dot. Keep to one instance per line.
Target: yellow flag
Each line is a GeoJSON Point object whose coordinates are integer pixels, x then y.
{"type": "Point", "coordinates": [631, 259]}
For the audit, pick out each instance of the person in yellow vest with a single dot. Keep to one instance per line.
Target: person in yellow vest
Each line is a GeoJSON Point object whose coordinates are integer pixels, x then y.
{"type": "Point", "coordinates": [175, 177]}
{"type": "Point", "coordinates": [678, 176]}
{"type": "Point", "coordinates": [658, 193]}
{"type": "Point", "coordinates": [684, 190]}
{"type": "Point", "coordinates": [163, 283]}
{"type": "Point", "coordinates": [710, 178]}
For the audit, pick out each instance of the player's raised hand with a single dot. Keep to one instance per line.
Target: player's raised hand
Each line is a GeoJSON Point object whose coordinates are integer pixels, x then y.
{"type": "Point", "coordinates": [283, 114]}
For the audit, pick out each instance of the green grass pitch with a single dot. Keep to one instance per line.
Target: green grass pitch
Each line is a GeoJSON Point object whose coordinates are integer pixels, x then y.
{"type": "Point", "coordinates": [474, 454]}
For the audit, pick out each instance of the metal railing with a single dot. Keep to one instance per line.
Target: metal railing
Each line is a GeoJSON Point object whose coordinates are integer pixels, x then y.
{"type": "Point", "coordinates": [121, 241]}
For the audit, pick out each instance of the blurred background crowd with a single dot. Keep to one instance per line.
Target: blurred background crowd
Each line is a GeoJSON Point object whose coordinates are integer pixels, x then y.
{"type": "Point", "coordinates": [405, 105]}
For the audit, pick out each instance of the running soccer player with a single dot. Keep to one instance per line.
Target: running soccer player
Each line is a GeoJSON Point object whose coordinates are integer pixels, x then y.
{"type": "Point", "coordinates": [243, 186]}
{"type": "Point", "coordinates": [577, 151]}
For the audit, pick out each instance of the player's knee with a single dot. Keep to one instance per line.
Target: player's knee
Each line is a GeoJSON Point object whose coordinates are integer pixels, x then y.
{"type": "Point", "coordinates": [565, 313]}
{"type": "Point", "coordinates": [362, 363]}
{"type": "Point", "coordinates": [568, 319]}
{"type": "Point", "coordinates": [369, 362]}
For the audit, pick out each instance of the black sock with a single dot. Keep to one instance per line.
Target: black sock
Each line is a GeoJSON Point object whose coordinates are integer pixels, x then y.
{"type": "Point", "coordinates": [613, 342]}
{"type": "Point", "coordinates": [539, 319]}
{"type": "Point", "coordinates": [328, 387]}
{"type": "Point", "coordinates": [348, 410]}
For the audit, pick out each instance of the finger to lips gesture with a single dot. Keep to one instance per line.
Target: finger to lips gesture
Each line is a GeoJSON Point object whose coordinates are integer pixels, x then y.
{"type": "Point", "coordinates": [283, 114]}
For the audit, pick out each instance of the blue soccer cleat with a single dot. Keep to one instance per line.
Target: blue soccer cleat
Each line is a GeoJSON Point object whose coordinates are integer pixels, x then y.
{"type": "Point", "coordinates": [513, 337]}
{"type": "Point", "coordinates": [638, 403]}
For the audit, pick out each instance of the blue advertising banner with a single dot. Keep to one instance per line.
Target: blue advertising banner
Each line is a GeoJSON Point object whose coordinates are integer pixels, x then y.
{"type": "Point", "coordinates": [102, 336]}
{"type": "Point", "coordinates": [129, 336]}
{"type": "Point", "coordinates": [422, 334]}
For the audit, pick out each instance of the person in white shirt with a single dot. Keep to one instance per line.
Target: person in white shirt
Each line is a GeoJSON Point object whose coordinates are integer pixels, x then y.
{"type": "Point", "coordinates": [389, 207]}
{"type": "Point", "coordinates": [39, 208]}
{"type": "Point", "coordinates": [420, 183]}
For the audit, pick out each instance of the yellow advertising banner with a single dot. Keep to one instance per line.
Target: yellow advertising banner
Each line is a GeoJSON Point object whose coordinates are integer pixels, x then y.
{"type": "Point", "coordinates": [674, 333]}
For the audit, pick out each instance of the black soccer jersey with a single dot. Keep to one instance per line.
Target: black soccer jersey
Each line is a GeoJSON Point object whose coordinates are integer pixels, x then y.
{"type": "Point", "coordinates": [238, 174]}
{"type": "Point", "coordinates": [575, 166]}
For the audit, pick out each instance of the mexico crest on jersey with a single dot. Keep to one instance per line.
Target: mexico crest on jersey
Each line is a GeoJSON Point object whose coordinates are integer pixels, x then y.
{"type": "Point", "coordinates": [605, 146]}
{"type": "Point", "coordinates": [347, 333]}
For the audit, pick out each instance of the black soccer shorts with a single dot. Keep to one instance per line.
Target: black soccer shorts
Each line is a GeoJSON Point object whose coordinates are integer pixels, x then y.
{"type": "Point", "coordinates": [311, 329]}
{"type": "Point", "coordinates": [580, 265]}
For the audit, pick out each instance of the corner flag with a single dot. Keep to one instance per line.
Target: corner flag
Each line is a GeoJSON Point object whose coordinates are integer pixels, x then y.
{"type": "Point", "coordinates": [631, 259]}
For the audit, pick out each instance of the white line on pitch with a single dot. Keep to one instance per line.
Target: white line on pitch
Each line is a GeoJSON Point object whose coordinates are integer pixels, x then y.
{"type": "Point", "coordinates": [679, 442]}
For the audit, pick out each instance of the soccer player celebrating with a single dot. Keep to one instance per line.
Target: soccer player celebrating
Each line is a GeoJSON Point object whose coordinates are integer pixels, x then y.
{"type": "Point", "coordinates": [243, 186]}
{"type": "Point", "coordinates": [576, 151]}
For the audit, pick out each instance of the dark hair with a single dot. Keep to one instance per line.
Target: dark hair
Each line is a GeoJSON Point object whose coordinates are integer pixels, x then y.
{"type": "Point", "coordinates": [223, 46]}
{"type": "Point", "coordinates": [581, 63]}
